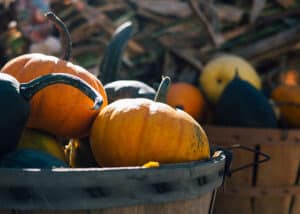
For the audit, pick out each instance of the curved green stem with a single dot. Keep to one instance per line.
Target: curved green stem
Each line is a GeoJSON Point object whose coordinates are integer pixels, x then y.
{"type": "Point", "coordinates": [111, 60]}
{"type": "Point", "coordinates": [64, 32]}
{"type": "Point", "coordinates": [161, 93]}
{"type": "Point", "coordinates": [27, 90]}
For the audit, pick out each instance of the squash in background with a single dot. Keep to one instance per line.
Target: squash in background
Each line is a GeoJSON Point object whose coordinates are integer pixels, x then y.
{"type": "Point", "coordinates": [290, 77]}
{"type": "Point", "coordinates": [186, 97]}
{"type": "Point", "coordinates": [110, 66]}
{"type": "Point", "coordinates": [243, 105]}
{"type": "Point", "coordinates": [218, 72]}
{"type": "Point", "coordinates": [287, 99]}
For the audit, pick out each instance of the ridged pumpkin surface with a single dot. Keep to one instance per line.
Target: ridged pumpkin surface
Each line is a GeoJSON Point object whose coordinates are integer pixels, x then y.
{"type": "Point", "coordinates": [188, 97]}
{"type": "Point", "coordinates": [131, 132]}
{"type": "Point", "coordinates": [59, 109]}
{"type": "Point", "coordinates": [285, 96]}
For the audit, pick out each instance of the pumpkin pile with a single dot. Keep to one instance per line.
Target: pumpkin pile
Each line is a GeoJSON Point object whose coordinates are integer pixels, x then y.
{"type": "Point", "coordinates": [230, 92]}
{"type": "Point", "coordinates": [56, 114]}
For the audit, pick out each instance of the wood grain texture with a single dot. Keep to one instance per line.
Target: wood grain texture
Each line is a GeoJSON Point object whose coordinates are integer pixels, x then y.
{"type": "Point", "coordinates": [295, 209]}
{"type": "Point", "coordinates": [195, 206]}
{"type": "Point", "coordinates": [274, 190]}
{"type": "Point", "coordinates": [281, 170]}
{"type": "Point", "coordinates": [226, 137]}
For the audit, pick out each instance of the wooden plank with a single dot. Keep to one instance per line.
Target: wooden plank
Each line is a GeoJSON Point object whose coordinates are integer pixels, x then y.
{"type": "Point", "coordinates": [280, 171]}
{"type": "Point", "coordinates": [276, 177]}
{"type": "Point", "coordinates": [242, 178]}
{"type": "Point", "coordinates": [96, 188]}
{"type": "Point", "coordinates": [193, 206]}
{"type": "Point", "coordinates": [282, 191]}
{"type": "Point", "coordinates": [296, 203]}
{"type": "Point", "coordinates": [232, 205]}
{"type": "Point", "coordinates": [225, 137]}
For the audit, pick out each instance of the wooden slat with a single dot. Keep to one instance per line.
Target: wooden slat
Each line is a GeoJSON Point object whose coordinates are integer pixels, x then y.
{"type": "Point", "coordinates": [96, 188]}
{"type": "Point", "coordinates": [259, 192]}
{"type": "Point", "coordinates": [242, 178]}
{"type": "Point", "coordinates": [296, 203]}
{"type": "Point", "coordinates": [280, 171]}
{"type": "Point", "coordinates": [193, 206]}
{"type": "Point", "coordinates": [275, 184]}
{"type": "Point", "coordinates": [225, 137]}
{"type": "Point", "coordinates": [232, 205]}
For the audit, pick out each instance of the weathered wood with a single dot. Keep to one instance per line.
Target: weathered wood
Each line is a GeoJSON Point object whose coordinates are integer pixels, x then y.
{"type": "Point", "coordinates": [258, 191]}
{"type": "Point", "coordinates": [266, 45]}
{"type": "Point", "coordinates": [275, 188]}
{"type": "Point", "coordinates": [224, 137]}
{"type": "Point", "coordinates": [296, 200]}
{"type": "Point", "coordinates": [281, 170]}
{"type": "Point", "coordinates": [215, 38]}
{"type": "Point", "coordinates": [232, 205]}
{"type": "Point", "coordinates": [257, 7]}
{"type": "Point", "coordinates": [97, 188]}
{"type": "Point", "coordinates": [193, 206]}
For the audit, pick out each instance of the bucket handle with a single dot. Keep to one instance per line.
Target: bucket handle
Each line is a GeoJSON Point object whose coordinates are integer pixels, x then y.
{"type": "Point", "coordinates": [228, 171]}
{"type": "Point", "coordinates": [228, 153]}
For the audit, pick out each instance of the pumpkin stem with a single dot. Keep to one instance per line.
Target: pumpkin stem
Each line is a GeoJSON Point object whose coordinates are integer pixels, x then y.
{"type": "Point", "coordinates": [236, 73]}
{"type": "Point", "coordinates": [29, 89]}
{"type": "Point", "coordinates": [161, 93]}
{"type": "Point", "coordinates": [111, 61]}
{"type": "Point", "coordinates": [64, 32]}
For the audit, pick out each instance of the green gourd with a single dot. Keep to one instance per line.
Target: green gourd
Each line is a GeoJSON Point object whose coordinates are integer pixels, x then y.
{"type": "Point", "coordinates": [29, 158]}
{"type": "Point", "coordinates": [15, 105]}
{"type": "Point", "coordinates": [110, 65]}
{"type": "Point", "coordinates": [243, 105]}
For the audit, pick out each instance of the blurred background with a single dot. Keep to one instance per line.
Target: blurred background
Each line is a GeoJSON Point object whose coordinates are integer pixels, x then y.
{"type": "Point", "coordinates": [171, 37]}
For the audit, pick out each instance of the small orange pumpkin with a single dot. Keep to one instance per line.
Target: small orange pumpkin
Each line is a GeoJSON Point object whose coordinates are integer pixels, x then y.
{"type": "Point", "coordinates": [287, 98]}
{"type": "Point", "coordinates": [187, 97]}
{"type": "Point", "coordinates": [290, 77]}
{"type": "Point", "coordinates": [59, 109]}
{"type": "Point", "coordinates": [134, 131]}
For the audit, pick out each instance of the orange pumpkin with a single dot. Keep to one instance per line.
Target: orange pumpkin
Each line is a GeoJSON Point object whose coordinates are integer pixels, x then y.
{"type": "Point", "coordinates": [59, 109]}
{"type": "Point", "coordinates": [134, 131]}
{"type": "Point", "coordinates": [187, 97]}
{"type": "Point", "coordinates": [287, 98]}
{"type": "Point", "coordinates": [289, 77]}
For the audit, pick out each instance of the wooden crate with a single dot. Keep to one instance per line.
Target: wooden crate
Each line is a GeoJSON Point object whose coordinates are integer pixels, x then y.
{"type": "Point", "coordinates": [269, 188]}
{"type": "Point", "coordinates": [170, 188]}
